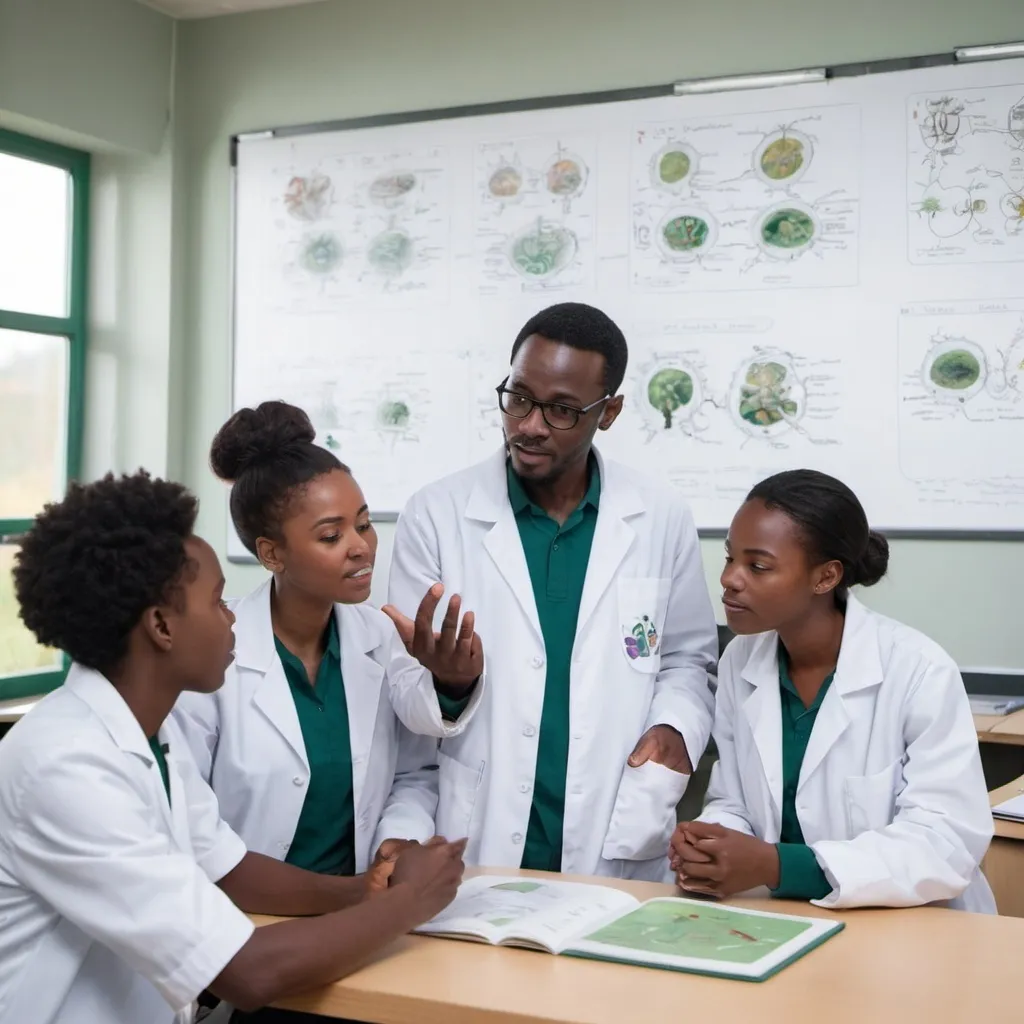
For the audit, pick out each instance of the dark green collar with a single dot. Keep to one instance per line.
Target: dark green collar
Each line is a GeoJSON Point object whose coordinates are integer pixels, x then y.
{"type": "Point", "coordinates": [520, 500]}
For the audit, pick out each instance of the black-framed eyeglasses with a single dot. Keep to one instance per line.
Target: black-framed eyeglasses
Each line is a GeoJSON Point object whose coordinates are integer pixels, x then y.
{"type": "Point", "coordinates": [556, 415]}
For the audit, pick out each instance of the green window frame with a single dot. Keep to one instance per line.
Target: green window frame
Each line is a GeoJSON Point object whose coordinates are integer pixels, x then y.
{"type": "Point", "coordinates": [72, 327]}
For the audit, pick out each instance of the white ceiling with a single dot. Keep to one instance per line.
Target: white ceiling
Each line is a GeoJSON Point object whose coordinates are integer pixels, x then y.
{"type": "Point", "coordinates": [211, 8]}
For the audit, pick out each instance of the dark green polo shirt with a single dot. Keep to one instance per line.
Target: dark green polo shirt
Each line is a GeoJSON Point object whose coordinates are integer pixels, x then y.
{"type": "Point", "coordinates": [161, 763]}
{"type": "Point", "coordinates": [557, 558]}
{"type": "Point", "coordinates": [324, 838]}
{"type": "Point", "coordinates": [800, 875]}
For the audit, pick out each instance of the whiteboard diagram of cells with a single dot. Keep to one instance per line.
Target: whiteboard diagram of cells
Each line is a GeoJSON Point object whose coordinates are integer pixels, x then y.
{"type": "Point", "coordinates": [746, 201]}
{"type": "Point", "coordinates": [961, 393]}
{"type": "Point", "coordinates": [767, 397]}
{"type": "Point", "coordinates": [534, 214]}
{"type": "Point", "coordinates": [965, 186]}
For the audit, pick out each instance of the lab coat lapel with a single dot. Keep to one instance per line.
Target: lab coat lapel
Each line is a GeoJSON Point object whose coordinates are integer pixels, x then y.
{"type": "Point", "coordinates": [763, 711]}
{"type": "Point", "coordinates": [859, 668]}
{"type": "Point", "coordinates": [256, 657]}
{"type": "Point", "coordinates": [489, 504]}
{"type": "Point", "coordinates": [363, 677]}
{"type": "Point", "coordinates": [613, 537]}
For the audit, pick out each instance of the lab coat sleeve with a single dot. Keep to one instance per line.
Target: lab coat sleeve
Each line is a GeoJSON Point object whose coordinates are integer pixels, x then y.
{"type": "Point", "coordinates": [414, 699]}
{"type": "Point", "coordinates": [84, 841]}
{"type": "Point", "coordinates": [197, 715]}
{"type": "Point", "coordinates": [415, 568]}
{"type": "Point", "coordinates": [942, 823]}
{"type": "Point", "coordinates": [682, 690]}
{"type": "Point", "coordinates": [723, 803]}
{"type": "Point", "coordinates": [412, 804]}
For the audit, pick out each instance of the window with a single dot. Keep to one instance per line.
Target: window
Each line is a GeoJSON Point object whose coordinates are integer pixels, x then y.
{"type": "Point", "coordinates": [44, 212]}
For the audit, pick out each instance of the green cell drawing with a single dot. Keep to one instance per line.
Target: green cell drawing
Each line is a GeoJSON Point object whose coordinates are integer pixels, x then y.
{"type": "Point", "coordinates": [391, 253]}
{"type": "Point", "coordinates": [543, 250]}
{"type": "Point", "coordinates": [979, 206]}
{"type": "Point", "coordinates": [498, 922]}
{"type": "Point", "coordinates": [518, 887]}
{"type": "Point", "coordinates": [764, 395]}
{"type": "Point", "coordinates": [505, 183]}
{"type": "Point", "coordinates": [955, 370]}
{"type": "Point", "coordinates": [332, 442]}
{"type": "Point", "coordinates": [564, 177]}
{"type": "Point", "coordinates": [687, 233]}
{"type": "Point", "coordinates": [668, 391]}
{"type": "Point", "coordinates": [673, 166]}
{"type": "Point", "coordinates": [930, 205]}
{"type": "Point", "coordinates": [320, 254]}
{"type": "Point", "coordinates": [713, 933]}
{"type": "Point", "coordinates": [393, 414]}
{"type": "Point", "coordinates": [389, 187]}
{"type": "Point", "coordinates": [787, 228]}
{"type": "Point", "coordinates": [782, 158]}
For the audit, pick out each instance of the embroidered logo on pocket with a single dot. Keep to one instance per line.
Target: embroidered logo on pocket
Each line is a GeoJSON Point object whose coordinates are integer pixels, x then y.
{"type": "Point", "coordinates": [642, 640]}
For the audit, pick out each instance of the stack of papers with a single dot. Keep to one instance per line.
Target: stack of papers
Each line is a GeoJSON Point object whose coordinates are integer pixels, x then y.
{"type": "Point", "coordinates": [1011, 810]}
{"type": "Point", "coordinates": [982, 705]}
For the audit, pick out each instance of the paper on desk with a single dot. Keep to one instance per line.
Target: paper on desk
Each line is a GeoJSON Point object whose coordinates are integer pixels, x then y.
{"type": "Point", "coordinates": [1011, 810]}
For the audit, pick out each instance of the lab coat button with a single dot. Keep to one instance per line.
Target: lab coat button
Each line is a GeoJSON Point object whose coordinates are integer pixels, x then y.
{"type": "Point", "coordinates": [517, 837]}
{"type": "Point", "coordinates": [299, 781]}
{"type": "Point", "coordinates": [529, 731]}
{"type": "Point", "coordinates": [538, 662]}
{"type": "Point", "coordinates": [524, 787]}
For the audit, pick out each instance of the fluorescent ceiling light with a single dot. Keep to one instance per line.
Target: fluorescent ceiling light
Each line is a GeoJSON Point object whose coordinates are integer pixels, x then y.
{"type": "Point", "coordinates": [996, 51]}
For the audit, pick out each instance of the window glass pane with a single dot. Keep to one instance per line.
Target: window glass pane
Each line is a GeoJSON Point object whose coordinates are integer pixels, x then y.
{"type": "Point", "coordinates": [19, 652]}
{"type": "Point", "coordinates": [35, 203]}
{"type": "Point", "coordinates": [33, 421]}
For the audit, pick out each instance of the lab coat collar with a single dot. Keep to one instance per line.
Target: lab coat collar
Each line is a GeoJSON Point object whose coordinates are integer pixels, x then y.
{"type": "Point", "coordinates": [109, 706]}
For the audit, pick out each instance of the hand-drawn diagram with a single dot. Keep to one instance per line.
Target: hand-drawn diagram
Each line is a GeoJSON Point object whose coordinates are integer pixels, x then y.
{"type": "Point", "coordinates": [746, 201]}
{"type": "Point", "coordinates": [534, 214]}
{"type": "Point", "coordinates": [965, 188]}
{"type": "Point", "coordinates": [364, 227]}
{"type": "Point", "coordinates": [767, 397]}
{"type": "Point", "coordinates": [961, 399]}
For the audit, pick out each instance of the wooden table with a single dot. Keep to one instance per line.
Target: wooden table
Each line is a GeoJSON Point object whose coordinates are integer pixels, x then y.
{"type": "Point", "coordinates": [1004, 862]}
{"type": "Point", "coordinates": [923, 964]}
{"type": "Point", "coordinates": [1001, 728]}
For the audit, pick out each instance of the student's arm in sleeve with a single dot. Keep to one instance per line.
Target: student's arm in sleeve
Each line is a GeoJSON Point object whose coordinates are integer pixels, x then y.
{"type": "Point", "coordinates": [683, 698]}
{"type": "Point", "coordinates": [723, 803]}
{"type": "Point", "coordinates": [412, 804]}
{"type": "Point", "coordinates": [197, 716]}
{"type": "Point", "coordinates": [942, 824]}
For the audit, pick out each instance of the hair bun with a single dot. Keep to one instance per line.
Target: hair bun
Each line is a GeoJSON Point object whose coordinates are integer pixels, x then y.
{"type": "Point", "coordinates": [874, 563]}
{"type": "Point", "coordinates": [255, 436]}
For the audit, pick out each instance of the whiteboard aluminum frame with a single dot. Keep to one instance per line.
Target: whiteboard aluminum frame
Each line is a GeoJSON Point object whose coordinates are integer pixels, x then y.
{"type": "Point", "coordinates": [849, 70]}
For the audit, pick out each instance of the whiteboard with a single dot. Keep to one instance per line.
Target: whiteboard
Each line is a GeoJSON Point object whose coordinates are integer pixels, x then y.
{"type": "Point", "coordinates": [828, 275]}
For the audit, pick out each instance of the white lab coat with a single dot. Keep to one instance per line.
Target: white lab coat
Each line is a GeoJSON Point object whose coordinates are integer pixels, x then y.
{"type": "Point", "coordinates": [891, 795]}
{"type": "Point", "coordinates": [108, 908]}
{"type": "Point", "coordinates": [645, 560]}
{"type": "Point", "coordinates": [247, 741]}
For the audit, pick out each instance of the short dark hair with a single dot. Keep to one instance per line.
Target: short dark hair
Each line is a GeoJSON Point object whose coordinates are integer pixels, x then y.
{"type": "Point", "coordinates": [268, 456]}
{"type": "Point", "coordinates": [93, 563]}
{"type": "Point", "coordinates": [581, 326]}
{"type": "Point", "coordinates": [832, 521]}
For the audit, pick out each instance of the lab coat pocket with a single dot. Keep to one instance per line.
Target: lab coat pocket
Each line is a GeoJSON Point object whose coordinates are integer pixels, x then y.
{"type": "Point", "coordinates": [643, 603]}
{"type": "Point", "coordinates": [457, 785]}
{"type": "Point", "coordinates": [871, 799]}
{"type": "Point", "coordinates": [644, 815]}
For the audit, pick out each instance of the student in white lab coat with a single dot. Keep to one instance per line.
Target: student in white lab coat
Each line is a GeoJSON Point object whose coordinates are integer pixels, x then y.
{"type": "Point", "coordinates": [849, 771]}
{"type": "Point", "coordinates": [586, 579]}
{"type": "Point", "coordinates": [120, 886]}
{"type": "Point", "coordinates": [301, 745]}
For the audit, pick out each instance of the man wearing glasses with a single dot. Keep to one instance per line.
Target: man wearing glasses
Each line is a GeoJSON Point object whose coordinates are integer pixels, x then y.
{"type": "Point", "coordinates": [588, 591]}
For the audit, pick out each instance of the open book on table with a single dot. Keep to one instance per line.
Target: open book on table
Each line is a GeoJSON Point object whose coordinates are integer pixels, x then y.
{"type": "Point", "coordinates": [601, 923]}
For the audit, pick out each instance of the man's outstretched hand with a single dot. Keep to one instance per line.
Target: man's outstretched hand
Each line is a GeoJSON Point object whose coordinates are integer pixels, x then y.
{"type": "Point", "coordinates": [455, 656]}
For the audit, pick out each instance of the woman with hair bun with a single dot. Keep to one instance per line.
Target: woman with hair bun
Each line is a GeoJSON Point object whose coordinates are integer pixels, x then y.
{"type": "Point", "coordinates": [310, 743]}
{"type": "Point", "coordinates": [848, 773]}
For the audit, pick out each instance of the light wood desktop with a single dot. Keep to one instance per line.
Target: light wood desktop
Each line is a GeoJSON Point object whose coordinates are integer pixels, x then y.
{"type": "Point", "coordinates": [1001, 728]}
{"type": "Point", "coordinates": [886, 965]}
{"type": "Point", "coordinates": [1004, 862]}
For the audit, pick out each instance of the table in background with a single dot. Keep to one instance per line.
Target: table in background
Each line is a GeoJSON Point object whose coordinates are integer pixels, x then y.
{"type": "Point", "coordinates": [1004, 862]}
{"type": "Point", "coordinates": [942, 966]}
